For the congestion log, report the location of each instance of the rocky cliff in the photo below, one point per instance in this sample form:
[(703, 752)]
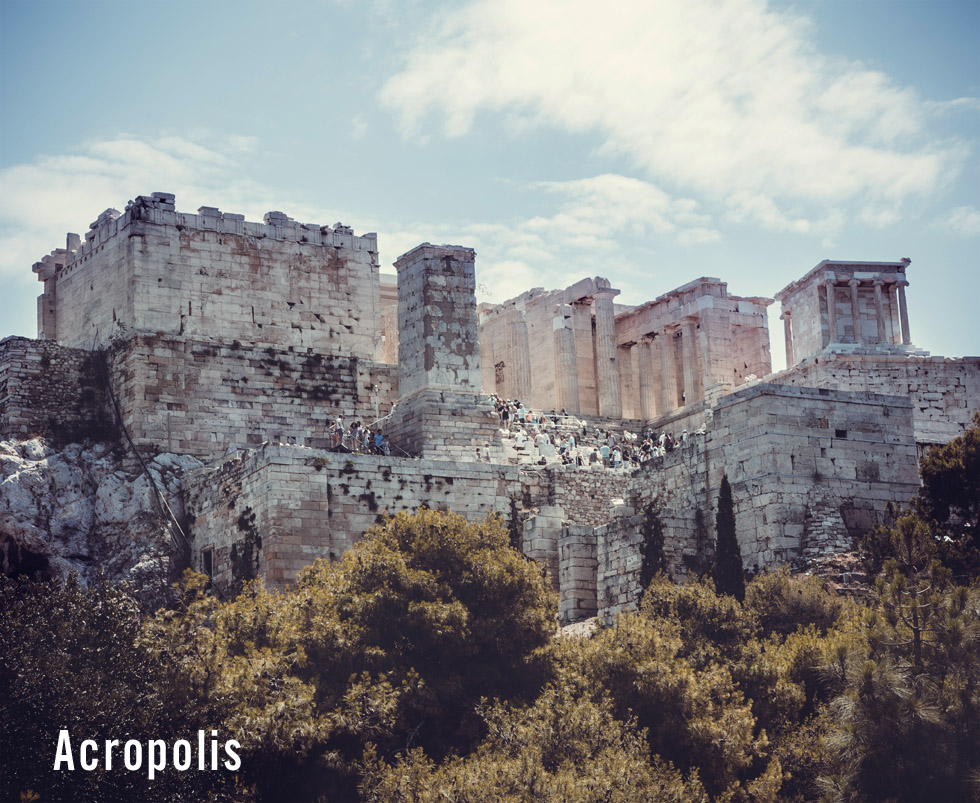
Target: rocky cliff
[(81, 509)]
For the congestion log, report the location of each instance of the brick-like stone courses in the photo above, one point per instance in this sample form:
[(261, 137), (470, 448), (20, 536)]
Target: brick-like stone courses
[(443, 425), (438, 345), (945, 392), (577, 560), (780, 444), (809, 469), (201, 398), (215, 275), (586, 494), (53, 391), (302, 503)]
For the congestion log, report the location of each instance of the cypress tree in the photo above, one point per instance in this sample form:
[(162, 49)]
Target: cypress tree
[(728, 575)]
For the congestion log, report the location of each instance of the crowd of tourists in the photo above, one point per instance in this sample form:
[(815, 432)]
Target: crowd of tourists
[(358, 438), (560, 437)]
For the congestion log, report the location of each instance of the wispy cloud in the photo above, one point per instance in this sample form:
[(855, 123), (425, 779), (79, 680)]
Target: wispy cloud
[(41, 200), (963, 220), (582, 237), (728, 101)]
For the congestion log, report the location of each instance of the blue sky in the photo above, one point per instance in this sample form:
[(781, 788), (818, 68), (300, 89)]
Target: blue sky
[(648, 142)]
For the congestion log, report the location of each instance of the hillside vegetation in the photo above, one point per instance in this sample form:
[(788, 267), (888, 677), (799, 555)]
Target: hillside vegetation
[(424, 666)]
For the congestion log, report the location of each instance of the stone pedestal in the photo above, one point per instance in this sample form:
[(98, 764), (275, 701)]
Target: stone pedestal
[(440, 413)]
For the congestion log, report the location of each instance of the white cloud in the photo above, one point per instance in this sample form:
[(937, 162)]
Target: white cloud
[(41, 200), (727, 100), (584, 237), (963, 220)]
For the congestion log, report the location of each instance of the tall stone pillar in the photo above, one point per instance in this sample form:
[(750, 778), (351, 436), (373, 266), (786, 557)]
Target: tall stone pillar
[(627, 380), (648, 396), (894, 328), (668, 382), (607, 373), (566, 373), (588, 401), (856, 311), (438, 346), (880, 312), (689, 361), (520, 359), (903, 311), (788, 335), (831, 311), (440, 412), (714, 347)]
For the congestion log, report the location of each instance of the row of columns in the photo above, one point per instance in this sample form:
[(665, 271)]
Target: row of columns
[(890, 304), (655, 357), (578, 346)]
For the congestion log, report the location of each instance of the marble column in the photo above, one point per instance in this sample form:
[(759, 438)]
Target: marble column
[(566, 374), (903, 312), (894, 329), (520, 359), (668, 382), (856, 311), (831, 311), (627, 380), (648, 393), (788, 335), (880, 312), (689, 361), (607, 373)]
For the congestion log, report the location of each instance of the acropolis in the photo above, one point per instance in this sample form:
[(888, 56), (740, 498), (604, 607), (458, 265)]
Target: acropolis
[(239, 343)]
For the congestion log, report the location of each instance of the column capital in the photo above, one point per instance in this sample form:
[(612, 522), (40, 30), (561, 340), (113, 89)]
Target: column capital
[(854, 282), (901, 283), (785, 315), (605, 291), (829, 279), (878, 282)]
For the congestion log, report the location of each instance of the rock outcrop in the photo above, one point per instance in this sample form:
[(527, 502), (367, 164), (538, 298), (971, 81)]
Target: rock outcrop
[(80, 509)]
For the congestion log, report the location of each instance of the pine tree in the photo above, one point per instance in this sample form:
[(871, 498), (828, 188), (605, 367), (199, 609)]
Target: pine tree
[(728, 575)]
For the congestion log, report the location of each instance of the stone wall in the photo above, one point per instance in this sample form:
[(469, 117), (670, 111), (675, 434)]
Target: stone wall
[(809, 468), (214, 275), (52, 391), (275, 509), (945, 392), (584, 494), (204, 397)]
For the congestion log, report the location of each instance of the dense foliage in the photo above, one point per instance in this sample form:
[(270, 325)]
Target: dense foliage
[(729, 574), (424, 666)]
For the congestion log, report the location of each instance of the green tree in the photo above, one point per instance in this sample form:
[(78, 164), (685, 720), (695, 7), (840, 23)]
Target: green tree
[(564, 748), (951, 483), (906, 721), (784, 603), (729, 575), (70, 658), (389, 649)]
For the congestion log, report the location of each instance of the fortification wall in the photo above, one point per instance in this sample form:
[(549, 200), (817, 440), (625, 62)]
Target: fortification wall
[(53, 391), (809, 468), (202, 398), (275, 509), (584, 494), (945, 391), (215, 275)]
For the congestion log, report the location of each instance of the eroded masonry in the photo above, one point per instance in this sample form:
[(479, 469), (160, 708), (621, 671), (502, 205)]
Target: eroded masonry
[(240, 343)]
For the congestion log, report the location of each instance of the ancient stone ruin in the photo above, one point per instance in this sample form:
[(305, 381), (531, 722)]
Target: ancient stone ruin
[(238, 344)]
